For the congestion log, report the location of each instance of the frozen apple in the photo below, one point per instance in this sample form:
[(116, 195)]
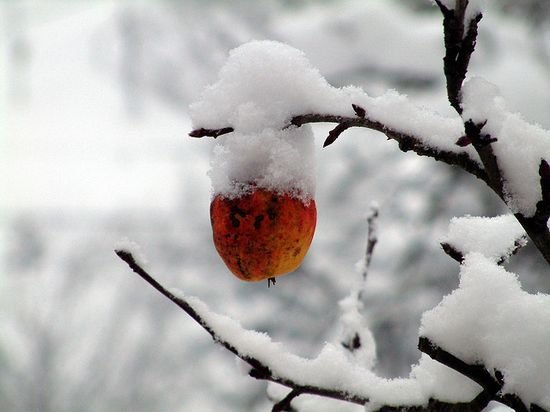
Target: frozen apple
[(262, 234)]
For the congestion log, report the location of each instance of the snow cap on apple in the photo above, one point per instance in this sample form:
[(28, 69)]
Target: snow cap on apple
[(261, 86), (263, 174)]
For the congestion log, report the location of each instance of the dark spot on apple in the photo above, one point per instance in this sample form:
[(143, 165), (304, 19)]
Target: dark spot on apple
[(258, 221), (234, 213), (272, 208)]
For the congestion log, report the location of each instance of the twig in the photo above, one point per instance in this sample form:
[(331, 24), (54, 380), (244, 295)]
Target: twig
[(372, 237), (356, 335), (477, 373), (460, 43), (210, 132), (284, 404), (336, 132), (460, 40), (492, 385), (477, 404), (259, 369), (458, 255), (452, 252), (405, 140)]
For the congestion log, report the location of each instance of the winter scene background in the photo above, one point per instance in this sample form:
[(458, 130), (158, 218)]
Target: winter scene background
[(94, 151)]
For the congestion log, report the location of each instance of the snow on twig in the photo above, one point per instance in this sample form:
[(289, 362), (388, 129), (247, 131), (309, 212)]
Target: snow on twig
[(330, 374), (497, 238), (246, 344), (405, 140), (356, 336)]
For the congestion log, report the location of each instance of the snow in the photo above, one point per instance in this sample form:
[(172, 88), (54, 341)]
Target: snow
[(489, 319), (279, 160), (262, 86), (520, 146), (353, 324), (265, 83), (333, 369), (496, 238), (72, 148)]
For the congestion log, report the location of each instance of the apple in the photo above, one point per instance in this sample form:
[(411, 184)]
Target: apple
[(262, 234)]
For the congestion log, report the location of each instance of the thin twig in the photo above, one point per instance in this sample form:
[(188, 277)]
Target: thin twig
[(372, 237), (460, 41), (284, 404)]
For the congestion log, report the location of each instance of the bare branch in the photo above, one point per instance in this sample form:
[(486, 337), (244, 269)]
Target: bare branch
[(210, 132), (335, 133), (372, 237), (543, 207), (460, 40), (452, 252), (285, 403)]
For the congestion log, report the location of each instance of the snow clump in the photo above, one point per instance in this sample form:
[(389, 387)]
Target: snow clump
[(490, 320), (519, 148), (496, 238), (262, 86)]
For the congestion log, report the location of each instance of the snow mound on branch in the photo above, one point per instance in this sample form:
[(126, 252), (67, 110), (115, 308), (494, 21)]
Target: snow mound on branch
[(490, 320), (262, 86), (496, 238), (520, 146), (332, 369), (279, 160), (259, 86)]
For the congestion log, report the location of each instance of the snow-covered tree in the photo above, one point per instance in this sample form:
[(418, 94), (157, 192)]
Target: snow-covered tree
[(486, 341)]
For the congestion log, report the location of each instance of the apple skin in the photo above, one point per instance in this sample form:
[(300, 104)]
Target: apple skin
[(262, 234)]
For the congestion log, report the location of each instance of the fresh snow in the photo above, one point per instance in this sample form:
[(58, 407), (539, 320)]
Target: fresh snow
[(280, 160), (519, 148), (262, 86), (333, 369), (489, 319), (496, 238)]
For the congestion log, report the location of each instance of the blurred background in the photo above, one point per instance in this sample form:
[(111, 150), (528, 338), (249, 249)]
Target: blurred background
[(94, 149)]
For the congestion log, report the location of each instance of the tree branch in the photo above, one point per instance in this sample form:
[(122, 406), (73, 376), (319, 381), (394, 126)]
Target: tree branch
[(460, 40), (259, 369), (285, 403), (405, 140), (492, 386), (478, 373), (210, 132), (460, 43)]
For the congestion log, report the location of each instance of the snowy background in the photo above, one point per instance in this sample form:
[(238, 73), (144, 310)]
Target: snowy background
[(94, 98)]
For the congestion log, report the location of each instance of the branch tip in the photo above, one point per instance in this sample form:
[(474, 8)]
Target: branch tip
[(359, 111), (202, 132)]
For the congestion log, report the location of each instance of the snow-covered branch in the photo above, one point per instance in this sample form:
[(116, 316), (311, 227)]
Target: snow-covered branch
[(489, 128), (333, 375), (266, 359), (406, 140), (492, 386)]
